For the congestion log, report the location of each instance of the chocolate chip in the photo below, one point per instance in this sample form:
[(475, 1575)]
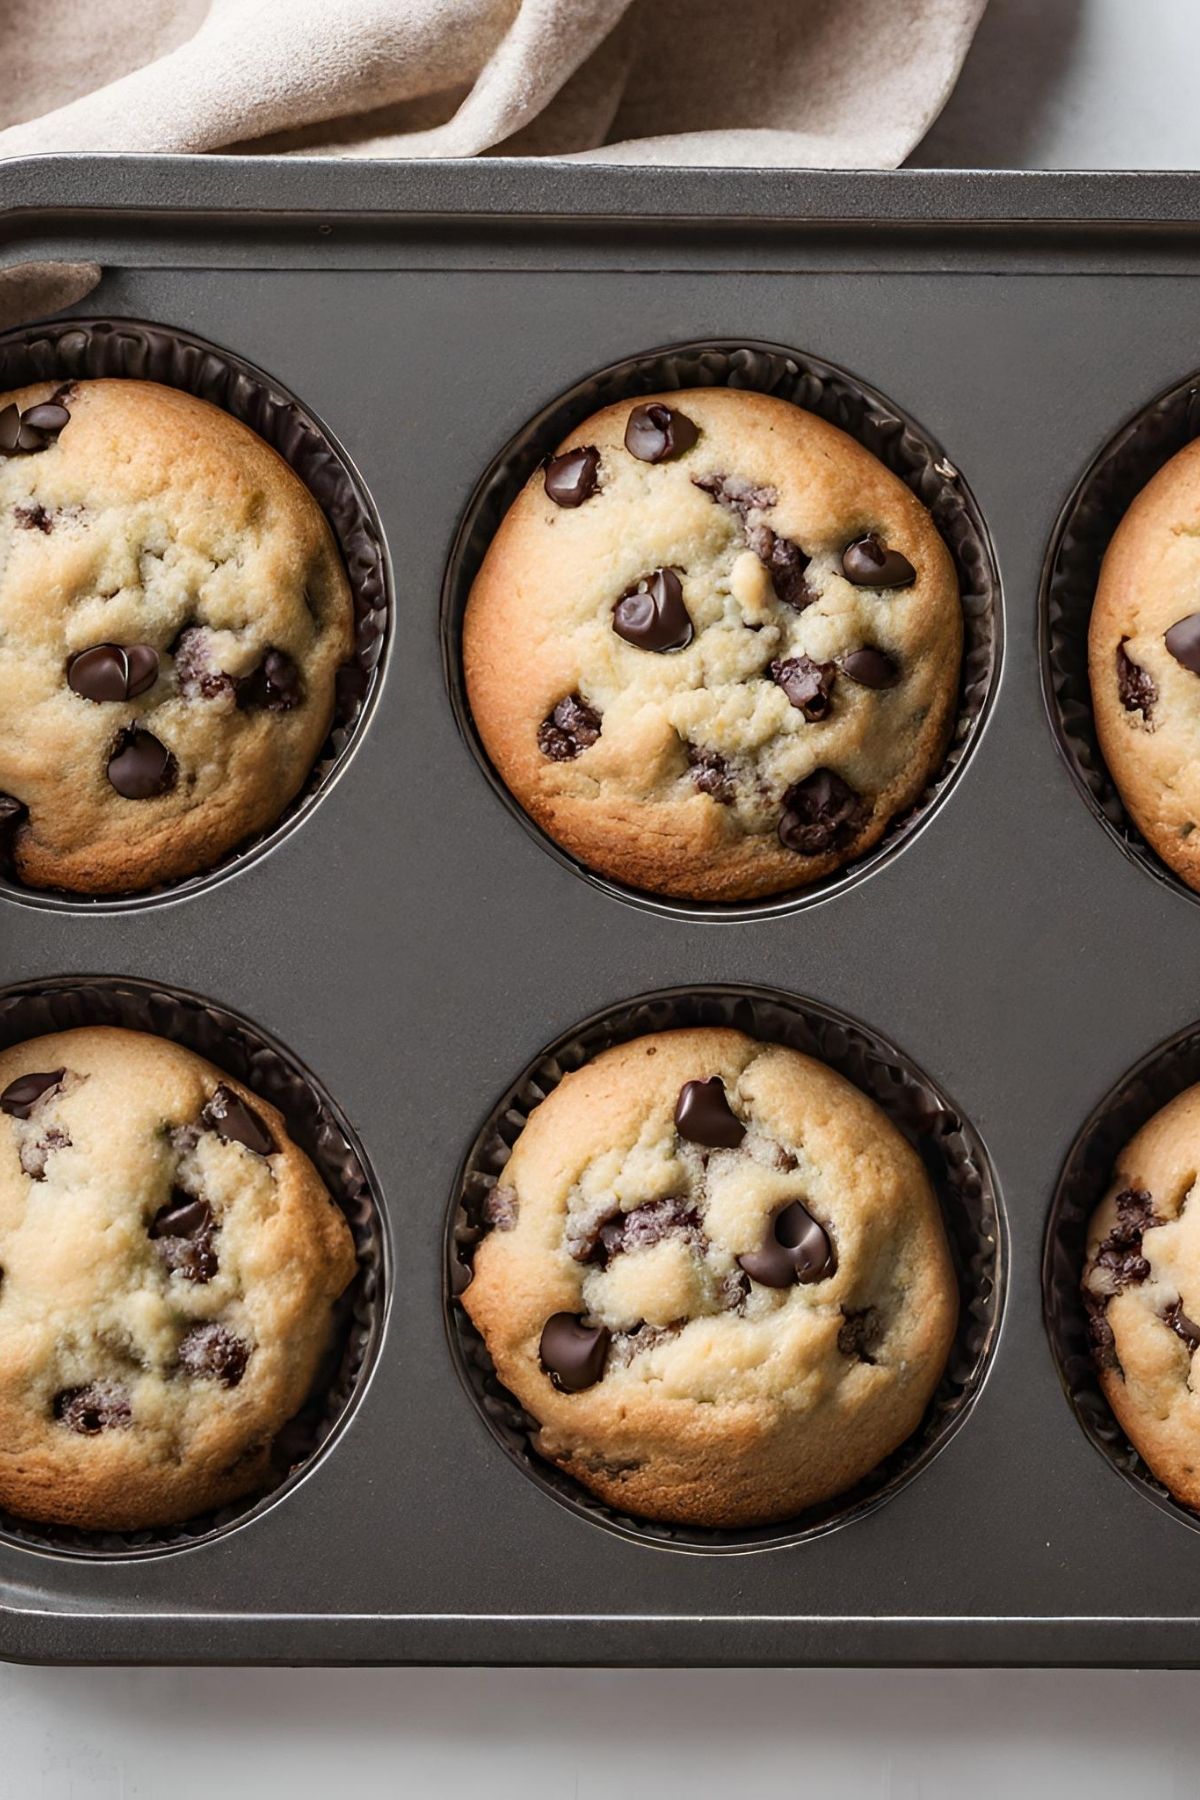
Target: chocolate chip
[(184, 1216), (212, 1350), (741, 497), (196, 674), (807, 684), (572, 726), (869, 667), (236, 1123), (1183, 1327), (628, 1344), (34, 1156), (34, 518), (571, 478), (102, 1406), (703, 1115), (868, 562), (140, 768), (648, 1225), (10, 429), (500, 1208), (573, 1354), (31, 430), (859, 1333), (652, 615), (1100, 1332), (711, 773), (113, 671), (275, 684), (818, 813), (655, 433), (795, 1248), (786, 563), (47, 416), (22, 1095), (1183, 641), (1120, 1253), (1135, 685), (183, 1233)]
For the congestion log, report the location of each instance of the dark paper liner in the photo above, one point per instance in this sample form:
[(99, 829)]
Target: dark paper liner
[(901, 445), (87, 349), (1149, 1085), (1096, 507), (317, 1124), (948, 1144)]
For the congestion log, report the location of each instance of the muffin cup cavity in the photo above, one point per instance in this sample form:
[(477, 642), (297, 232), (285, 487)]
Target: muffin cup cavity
[(91, 349), (315, 1123), (1100, 500), (839, 398), (951, 1149), (1085, 1176)]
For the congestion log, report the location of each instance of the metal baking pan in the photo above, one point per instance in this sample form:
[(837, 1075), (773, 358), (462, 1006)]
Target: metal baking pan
[(417, 950)]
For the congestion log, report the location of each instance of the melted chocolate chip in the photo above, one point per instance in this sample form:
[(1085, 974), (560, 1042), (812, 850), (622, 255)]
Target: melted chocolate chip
[(237, 1123), (807, 684), (741, 497), (656, 433), (785, 563), (795, 1248), (711, 774), (183, 1232), (22, 1095), (869, 667), (1100, 1332), (184, 1216), (648, 1225), (141, 768), (1183, 641), (1120, 1253), (859, 1333), (500, 1208), (652, 615), (869, 563), (101, 1406), (703, 1115), (572, 726), (819, 813), (214, 1351), (113, 671), (572, 478), (1184, 1327), (1135, 685), (573, 1354), (275, 684)]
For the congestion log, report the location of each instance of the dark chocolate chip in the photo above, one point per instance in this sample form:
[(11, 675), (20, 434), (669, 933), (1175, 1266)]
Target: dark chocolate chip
[(571, 478), (1184, 1327), (869, 667), (572, 726), (786, 564), (807, 684), (652, 615), (184, 1216), (1183, 641), (711, 773), (703, 1115), (10, 429), (275, 684), (1135, 685), (113, 671), (648, 1225), (795, 1248), (22, 1095), (628, 1344), (573, 1354), (196, 674), (101, 1406), (740, 496), (819, 813), (34, 518), (655, 433), (140, 768), (236, 1123), (212, 1350), (1100, 1332), (47, 416), (868, 562), (859, 1333), (1120, 1253)]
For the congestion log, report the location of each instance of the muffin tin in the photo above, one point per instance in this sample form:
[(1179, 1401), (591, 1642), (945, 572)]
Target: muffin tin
[(417, 950)]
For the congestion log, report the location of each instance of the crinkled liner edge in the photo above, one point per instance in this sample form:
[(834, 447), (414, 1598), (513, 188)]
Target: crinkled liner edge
[(1100, 500), (841, 399), (91, 349), (233, 1044), (952, 1150), (1086, 1173)]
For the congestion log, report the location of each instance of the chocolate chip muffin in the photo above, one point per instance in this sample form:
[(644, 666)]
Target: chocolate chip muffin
[(715, 646), (717, 1277), (1144, 662), (173, 612), (170, 1263), (1141, 1287)]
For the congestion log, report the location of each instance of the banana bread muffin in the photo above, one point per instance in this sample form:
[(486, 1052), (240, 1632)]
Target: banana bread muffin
[(717, 1277), (173, 612), (170, 1263), (715, 646)]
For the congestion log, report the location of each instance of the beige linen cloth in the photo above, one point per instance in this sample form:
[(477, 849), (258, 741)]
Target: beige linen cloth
[(800, 83)]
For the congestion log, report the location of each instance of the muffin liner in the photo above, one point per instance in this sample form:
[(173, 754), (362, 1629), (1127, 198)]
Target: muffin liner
[(951, 1149), (1085, 1177), (87, 349), (841, 399), (1096, 507), (314, 1122)]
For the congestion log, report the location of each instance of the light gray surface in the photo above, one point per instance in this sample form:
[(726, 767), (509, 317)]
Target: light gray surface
[(1051, 83)]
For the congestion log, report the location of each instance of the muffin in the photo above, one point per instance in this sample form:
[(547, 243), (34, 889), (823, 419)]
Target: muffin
[(715, 646), (1141, 1287), (717, 1278), (173, 612), (170, 1265), (1144, 662)]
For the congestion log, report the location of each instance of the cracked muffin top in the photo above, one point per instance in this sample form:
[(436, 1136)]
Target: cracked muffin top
[(717, 1277), (170, 1260), (173, 612), (1141, 1288), (715, 646)]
